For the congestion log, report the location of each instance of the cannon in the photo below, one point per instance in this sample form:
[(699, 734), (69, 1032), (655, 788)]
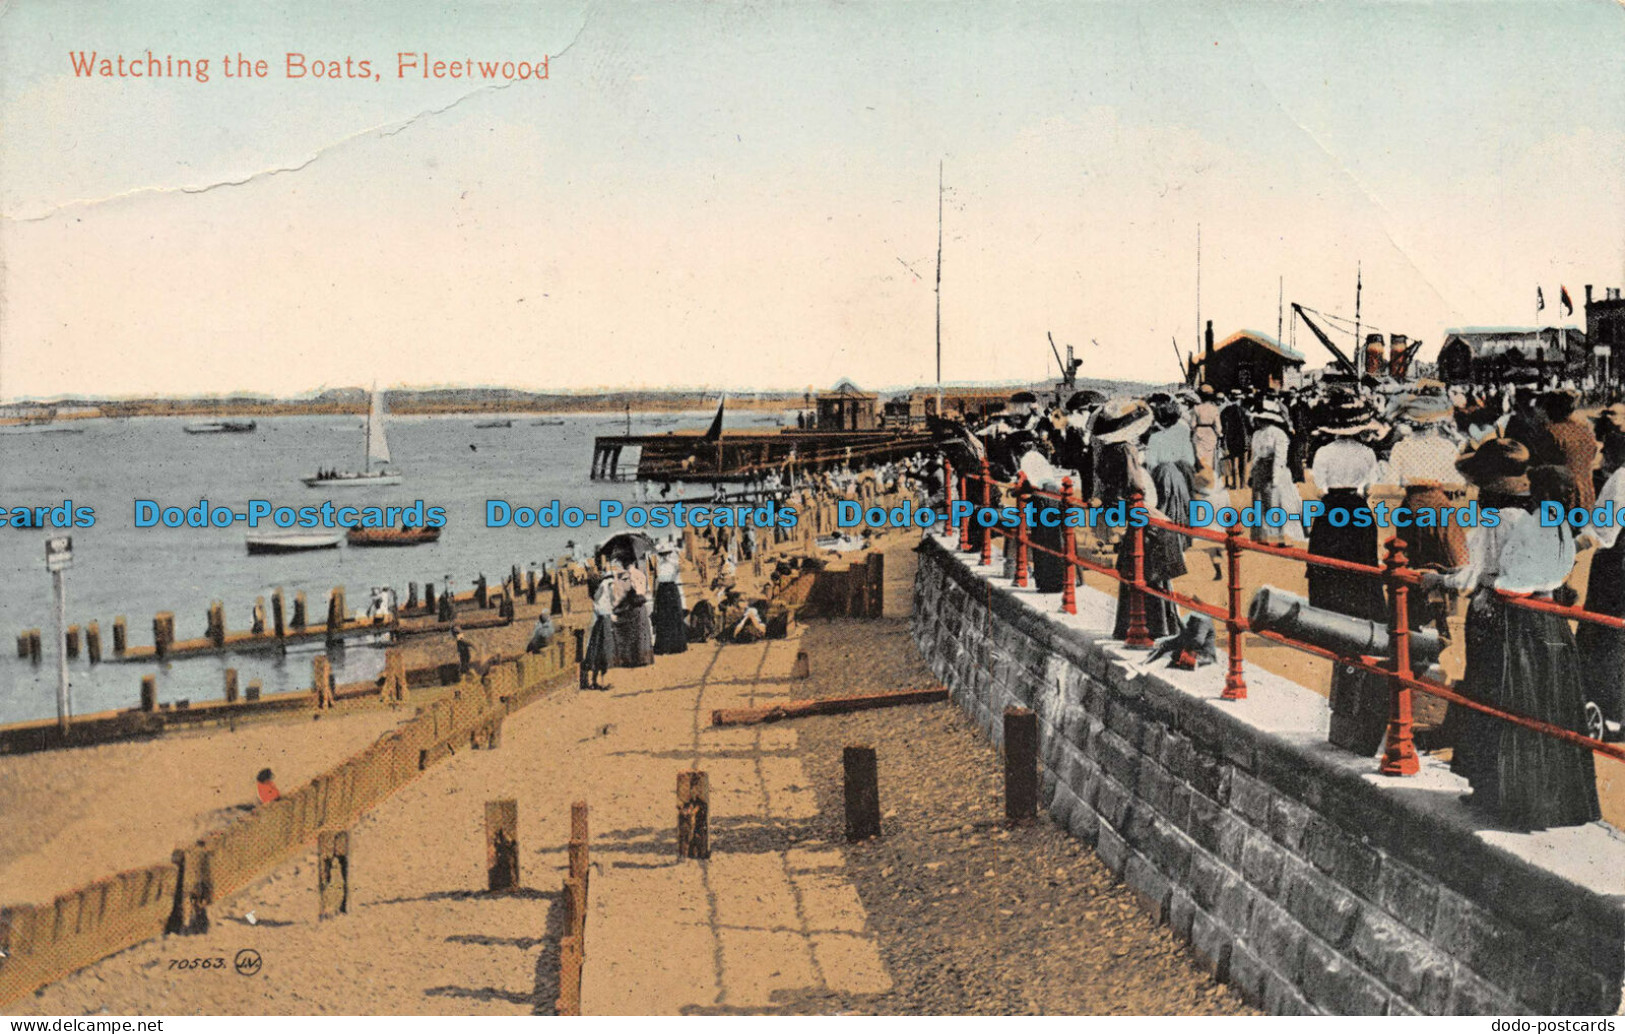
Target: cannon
[(1281, 612)]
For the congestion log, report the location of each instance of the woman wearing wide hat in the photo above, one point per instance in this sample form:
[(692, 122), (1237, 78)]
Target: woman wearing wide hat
[(1520, 660), (1120, 430), (1271, 474), (1423, 463), (1602, 649), (1344, 468)]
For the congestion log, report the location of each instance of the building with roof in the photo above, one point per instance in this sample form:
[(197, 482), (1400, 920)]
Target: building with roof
[(846, 407), (1605, 335), (1493, 356), (1248, 360)]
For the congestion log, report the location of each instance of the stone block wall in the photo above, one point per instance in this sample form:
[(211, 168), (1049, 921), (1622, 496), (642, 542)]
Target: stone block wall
[(1295, 872)]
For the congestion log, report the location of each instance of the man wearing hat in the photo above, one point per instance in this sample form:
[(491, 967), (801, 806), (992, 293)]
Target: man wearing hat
[(1234, 430)]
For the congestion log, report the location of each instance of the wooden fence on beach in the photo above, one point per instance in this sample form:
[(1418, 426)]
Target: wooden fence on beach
[(44, 942)]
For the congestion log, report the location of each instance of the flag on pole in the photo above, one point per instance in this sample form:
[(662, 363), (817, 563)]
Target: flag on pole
[(1568, 306), (1540, 300)]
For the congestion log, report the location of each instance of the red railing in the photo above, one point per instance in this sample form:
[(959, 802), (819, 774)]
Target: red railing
[(1399, 755)]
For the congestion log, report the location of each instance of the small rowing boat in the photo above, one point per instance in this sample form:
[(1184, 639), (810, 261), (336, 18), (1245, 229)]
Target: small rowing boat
[(494, 424), (391, 536), (292, 542)]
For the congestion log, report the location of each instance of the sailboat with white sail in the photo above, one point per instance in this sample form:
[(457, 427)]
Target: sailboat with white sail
[(375, 470)]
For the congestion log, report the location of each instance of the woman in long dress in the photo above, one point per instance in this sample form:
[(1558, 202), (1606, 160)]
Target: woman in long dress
[(1601, 648), (1271, 474), (600, 654), (1344, 468), (1520, 660), (670, 622), (634, 632)]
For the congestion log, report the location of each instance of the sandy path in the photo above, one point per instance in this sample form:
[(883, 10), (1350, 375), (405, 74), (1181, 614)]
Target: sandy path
[(73, 816)]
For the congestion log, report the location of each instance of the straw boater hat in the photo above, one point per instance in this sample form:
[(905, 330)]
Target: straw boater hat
[(1122, 420), (1497, 465), (1206, 390)]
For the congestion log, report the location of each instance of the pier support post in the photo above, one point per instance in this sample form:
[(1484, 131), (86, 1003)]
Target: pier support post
[(502, 845), (231, 685), (411, 596), (333, 874), (163, 634), (862, 792), (121, 636), (556, 607), (72, 642), (1020, 764), (149, 693), (693, 814), (336, 614), (530, 587), (93, 642), (217, 624)]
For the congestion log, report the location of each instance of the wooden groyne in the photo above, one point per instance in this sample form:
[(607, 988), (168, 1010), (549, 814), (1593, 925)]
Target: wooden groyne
[(43, 942)]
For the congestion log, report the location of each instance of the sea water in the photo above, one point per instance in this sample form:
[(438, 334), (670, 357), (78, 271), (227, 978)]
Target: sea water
[(119, 569)]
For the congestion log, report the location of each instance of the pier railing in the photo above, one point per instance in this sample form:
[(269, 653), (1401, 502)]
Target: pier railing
[(1399, 754)]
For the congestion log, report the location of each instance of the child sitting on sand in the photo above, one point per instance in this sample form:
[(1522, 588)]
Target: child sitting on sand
[(267, 789)]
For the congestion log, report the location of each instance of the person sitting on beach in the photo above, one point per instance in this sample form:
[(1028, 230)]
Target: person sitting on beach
[(267, 789), (542, 634), (750, 628)]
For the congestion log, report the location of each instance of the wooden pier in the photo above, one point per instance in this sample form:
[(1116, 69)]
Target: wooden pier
[(742, 455)]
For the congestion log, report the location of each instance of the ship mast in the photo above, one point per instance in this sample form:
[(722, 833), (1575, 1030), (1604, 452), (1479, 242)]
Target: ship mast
[(939, 288)]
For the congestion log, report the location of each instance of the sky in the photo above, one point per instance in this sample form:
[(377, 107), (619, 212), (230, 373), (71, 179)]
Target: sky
[(745, 196)]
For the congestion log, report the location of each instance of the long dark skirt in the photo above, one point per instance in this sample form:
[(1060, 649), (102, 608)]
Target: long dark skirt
[(600, 656), (1524, 662), (1047, 567), (1164, 561), (671, 625), (1359, 699), (634, 637), (1602, 650)]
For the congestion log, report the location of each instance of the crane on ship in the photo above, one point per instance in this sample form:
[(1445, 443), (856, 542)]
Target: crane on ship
[(1343, 361)]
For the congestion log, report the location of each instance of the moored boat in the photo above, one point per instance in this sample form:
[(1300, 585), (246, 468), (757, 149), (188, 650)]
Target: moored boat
[(391, 536), (291, 542), (494, 424), (221, 427)]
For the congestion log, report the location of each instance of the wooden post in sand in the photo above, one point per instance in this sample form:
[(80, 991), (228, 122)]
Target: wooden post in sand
[(862, 793), (22, 646), (149, 693), (333, 874), (252, 693), (231, 685), (428, 598), (121, 636), (71, 641), (298, 622), (1020, 764), (321, 681), (278, 626), (93, 642), (336, 614), (803, 667), (693, 814), (502, 845)]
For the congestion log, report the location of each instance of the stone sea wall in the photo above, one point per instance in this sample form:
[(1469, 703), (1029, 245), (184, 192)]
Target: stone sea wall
[(1296, 873)]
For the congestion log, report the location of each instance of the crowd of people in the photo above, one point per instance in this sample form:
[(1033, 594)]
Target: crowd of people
[(1338, 443)]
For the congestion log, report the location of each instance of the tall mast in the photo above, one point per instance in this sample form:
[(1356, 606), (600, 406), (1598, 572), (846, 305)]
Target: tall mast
[(1199, 286), (366, 439), (939, 287), (1280, 307), (1359, 342)]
